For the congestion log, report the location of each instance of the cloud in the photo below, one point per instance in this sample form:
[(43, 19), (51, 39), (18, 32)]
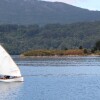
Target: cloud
[(87, 4)]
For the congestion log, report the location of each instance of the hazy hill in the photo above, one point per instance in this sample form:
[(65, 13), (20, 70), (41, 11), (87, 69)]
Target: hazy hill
[(18, 38), (42, 12)]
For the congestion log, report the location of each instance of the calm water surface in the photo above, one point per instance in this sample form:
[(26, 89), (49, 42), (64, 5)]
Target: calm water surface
[(63, 78)]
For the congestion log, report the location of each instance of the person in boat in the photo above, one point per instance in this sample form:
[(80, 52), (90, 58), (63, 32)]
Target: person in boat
[(6, 77)]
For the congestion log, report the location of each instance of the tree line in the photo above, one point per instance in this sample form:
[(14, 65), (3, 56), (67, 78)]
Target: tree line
[(20, 38)]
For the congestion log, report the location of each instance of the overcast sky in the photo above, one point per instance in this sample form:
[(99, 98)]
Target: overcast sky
[(88, 4)]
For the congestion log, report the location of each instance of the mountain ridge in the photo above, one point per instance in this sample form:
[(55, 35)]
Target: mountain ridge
[(42, 12)]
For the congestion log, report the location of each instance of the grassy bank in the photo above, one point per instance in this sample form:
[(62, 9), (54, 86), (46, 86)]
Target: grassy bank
[(79, 52)]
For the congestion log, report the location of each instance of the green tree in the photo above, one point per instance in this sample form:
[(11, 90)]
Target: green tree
[(85, 51), (97, 46), (80, 47)]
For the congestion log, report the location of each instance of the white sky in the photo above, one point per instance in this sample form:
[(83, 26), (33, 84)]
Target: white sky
[(88, 4)]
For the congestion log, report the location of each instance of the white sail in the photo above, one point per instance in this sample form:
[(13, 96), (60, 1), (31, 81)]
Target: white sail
[(7, 65)]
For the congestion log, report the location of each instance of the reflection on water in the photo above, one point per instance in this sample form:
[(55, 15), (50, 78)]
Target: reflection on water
[(9, 91), (60, 66), (57, 78), (59, 61)]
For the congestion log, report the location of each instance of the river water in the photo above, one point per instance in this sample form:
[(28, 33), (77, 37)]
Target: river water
[(55, 78)]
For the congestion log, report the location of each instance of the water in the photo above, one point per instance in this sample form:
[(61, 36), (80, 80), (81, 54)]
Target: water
[(62, 78)]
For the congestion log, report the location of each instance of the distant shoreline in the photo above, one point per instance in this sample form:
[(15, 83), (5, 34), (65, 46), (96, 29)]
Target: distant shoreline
[(57, 53)]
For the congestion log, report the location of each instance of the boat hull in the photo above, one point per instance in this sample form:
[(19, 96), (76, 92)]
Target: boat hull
[(18, 79)]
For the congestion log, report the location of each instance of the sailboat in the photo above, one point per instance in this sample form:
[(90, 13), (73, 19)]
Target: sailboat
[(9, 68)]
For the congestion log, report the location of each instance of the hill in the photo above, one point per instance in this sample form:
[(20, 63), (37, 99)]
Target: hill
[(42, 12), (19, 38)]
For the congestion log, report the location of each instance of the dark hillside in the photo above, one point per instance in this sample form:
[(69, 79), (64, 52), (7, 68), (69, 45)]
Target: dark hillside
[(19, 38), (42, 12)]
